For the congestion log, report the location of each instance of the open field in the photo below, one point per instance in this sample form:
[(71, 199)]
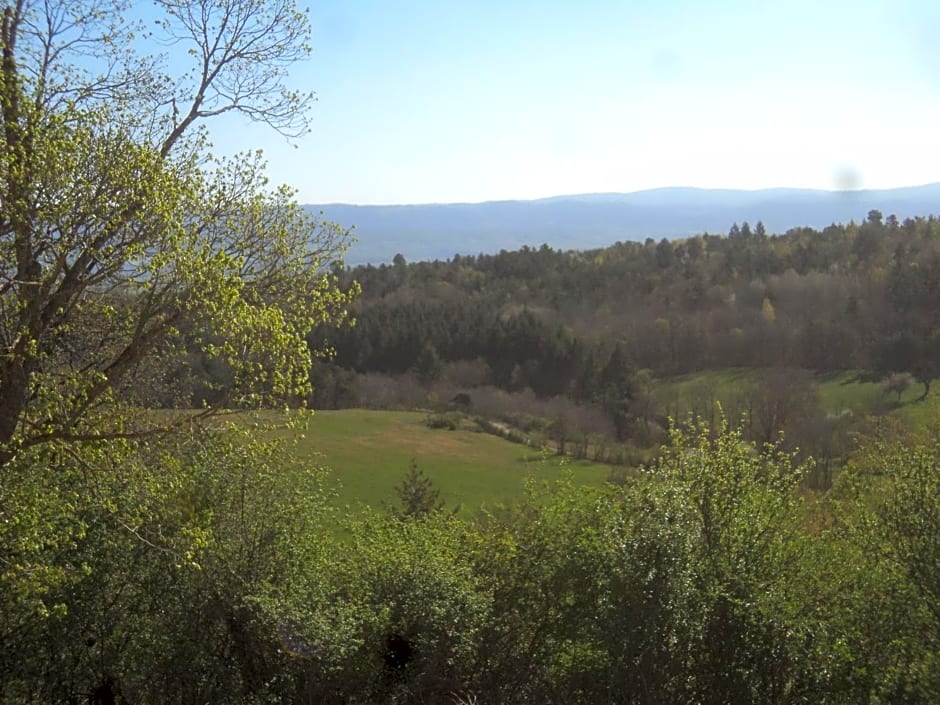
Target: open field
[(370, 451), (838, 392)]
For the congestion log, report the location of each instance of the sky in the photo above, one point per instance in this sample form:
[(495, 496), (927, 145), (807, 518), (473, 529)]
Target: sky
[(442, 101)]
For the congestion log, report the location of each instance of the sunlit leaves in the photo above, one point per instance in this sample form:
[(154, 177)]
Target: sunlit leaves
[(125, 246)]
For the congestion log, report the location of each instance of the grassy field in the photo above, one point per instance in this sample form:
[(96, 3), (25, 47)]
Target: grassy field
[(838, 392), (678, 396), (370, 451)]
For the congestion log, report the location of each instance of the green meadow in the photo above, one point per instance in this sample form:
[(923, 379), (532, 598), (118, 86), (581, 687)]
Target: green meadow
[(838, 392), (370, 451)]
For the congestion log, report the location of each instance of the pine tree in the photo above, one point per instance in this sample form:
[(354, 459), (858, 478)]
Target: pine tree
[(417, 494)]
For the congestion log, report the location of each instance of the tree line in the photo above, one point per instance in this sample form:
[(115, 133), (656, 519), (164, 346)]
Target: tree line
[(588, 325), (849, 296)]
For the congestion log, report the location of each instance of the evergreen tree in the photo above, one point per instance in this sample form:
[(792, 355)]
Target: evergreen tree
[(428, 365), (417, 494)]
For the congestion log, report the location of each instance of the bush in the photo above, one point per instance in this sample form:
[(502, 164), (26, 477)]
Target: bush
[(398, 611), (168, 589), (448, 420)]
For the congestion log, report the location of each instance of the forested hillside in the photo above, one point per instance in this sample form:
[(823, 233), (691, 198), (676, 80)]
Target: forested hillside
[(599, 327), (849, 296)]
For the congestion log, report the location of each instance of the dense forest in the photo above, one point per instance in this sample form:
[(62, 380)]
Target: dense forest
[(856, 296), (850, 296)]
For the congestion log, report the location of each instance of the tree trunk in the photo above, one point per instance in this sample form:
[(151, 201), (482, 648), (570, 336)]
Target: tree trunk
[(14, 382)]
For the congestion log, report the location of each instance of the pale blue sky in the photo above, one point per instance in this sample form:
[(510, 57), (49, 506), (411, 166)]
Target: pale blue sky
[(444, 101)]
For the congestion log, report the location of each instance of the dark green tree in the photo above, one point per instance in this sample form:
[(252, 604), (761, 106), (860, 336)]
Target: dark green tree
[(664, 254), (910, 341), (417, 494), (428, 365)]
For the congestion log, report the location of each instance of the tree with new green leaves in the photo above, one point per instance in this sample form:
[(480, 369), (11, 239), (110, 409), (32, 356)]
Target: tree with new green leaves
[(738, 504), (910, 517), (888, 505), (169, 586), (414, 617), (124, 243)]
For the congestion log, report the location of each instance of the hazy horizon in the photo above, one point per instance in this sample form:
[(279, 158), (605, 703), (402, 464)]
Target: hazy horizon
[(633, 192)]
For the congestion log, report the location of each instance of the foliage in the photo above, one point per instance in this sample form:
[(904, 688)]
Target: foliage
[(911, 519), (168, 586), (205, 565), (402, 613), (125, 246), (450, 420), (137, 564), (888, 500), (855, 296), (706, 578)]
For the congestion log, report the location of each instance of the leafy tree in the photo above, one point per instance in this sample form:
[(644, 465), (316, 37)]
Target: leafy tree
[(912, 330), (767, 310), (168, 586), (737, 505), (122, 240), (664, 254), (401, 621), (887, 504), (911, 519)]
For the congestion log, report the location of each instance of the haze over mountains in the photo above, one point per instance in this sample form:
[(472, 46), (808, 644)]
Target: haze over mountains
[(438, 231)]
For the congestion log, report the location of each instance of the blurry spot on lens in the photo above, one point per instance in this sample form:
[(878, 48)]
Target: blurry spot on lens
[(847, 178)]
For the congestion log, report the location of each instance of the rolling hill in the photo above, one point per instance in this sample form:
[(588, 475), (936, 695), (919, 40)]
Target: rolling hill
[(438, 231)]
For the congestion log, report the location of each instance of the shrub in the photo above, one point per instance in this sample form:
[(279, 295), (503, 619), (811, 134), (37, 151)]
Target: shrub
[(448, 420)]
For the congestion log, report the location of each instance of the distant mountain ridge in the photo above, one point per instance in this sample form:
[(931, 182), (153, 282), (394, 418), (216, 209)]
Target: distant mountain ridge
[(585, 221)]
